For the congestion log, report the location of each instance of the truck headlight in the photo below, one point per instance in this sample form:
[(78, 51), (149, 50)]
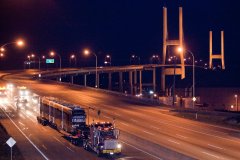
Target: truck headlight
[(119, 146)]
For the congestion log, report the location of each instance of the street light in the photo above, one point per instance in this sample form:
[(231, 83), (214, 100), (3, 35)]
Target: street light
[(236, 97), (39, 62), (19, 43), (60, 62), (74, 58), (180, 50), (108, 59), (87, 52), (134, 58), (1, 55)]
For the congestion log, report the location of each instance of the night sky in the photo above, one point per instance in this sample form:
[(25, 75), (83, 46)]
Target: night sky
[(119, 28)]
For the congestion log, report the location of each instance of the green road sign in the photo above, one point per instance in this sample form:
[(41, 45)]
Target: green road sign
[(49, 60)]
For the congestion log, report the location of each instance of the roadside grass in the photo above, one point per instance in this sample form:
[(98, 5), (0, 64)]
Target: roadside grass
[(5, 151)]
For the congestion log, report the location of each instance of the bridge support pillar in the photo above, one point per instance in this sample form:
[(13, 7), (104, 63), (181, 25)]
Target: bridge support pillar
[(130, 82), (120, 82), (109, 81), (85, 80), (154, 79), (135, 82), (140, 82)]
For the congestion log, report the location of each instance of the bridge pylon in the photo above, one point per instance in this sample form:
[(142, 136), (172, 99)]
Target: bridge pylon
[(216, 56), (166, 44)]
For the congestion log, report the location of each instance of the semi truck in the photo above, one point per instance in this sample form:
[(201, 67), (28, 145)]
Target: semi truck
[(103, 139), (67, 118)]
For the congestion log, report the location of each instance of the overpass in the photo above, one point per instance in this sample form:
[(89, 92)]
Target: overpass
[(134, 74)]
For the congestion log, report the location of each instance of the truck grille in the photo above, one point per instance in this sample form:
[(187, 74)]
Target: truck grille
[(110, 144)]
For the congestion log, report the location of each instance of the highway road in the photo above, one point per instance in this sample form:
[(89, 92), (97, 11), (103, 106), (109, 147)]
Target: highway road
[(147, 132)]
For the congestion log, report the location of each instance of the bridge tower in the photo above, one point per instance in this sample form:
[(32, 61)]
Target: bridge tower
[(216, 56), (166, 43)]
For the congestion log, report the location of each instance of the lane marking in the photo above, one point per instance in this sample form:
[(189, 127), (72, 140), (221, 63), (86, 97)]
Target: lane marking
[(70, 149), (142, 150), (44, 156), (107, 117), (21, 123), (117, 114), (214, 146), (208, 134), (148, 132), (173, 141), (44, 146), (181, 136), (155, 127), (124, 123), (211, 155), (133, 120), (58, 140)]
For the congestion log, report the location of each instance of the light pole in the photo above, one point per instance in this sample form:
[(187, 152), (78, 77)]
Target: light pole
[(236, 97), (19, 43), (87, 52), (174, 80), (73, 57), (60, 62), (39, 62), (180, 50)]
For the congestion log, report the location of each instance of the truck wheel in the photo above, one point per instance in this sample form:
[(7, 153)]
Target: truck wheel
[(99, 153)]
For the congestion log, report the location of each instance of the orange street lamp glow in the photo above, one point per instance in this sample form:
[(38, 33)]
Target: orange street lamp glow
[(20, 43), (52, 53), (72, 56), (1, 55), (180, 49), (32, 55), (86, 52), (2, 49)]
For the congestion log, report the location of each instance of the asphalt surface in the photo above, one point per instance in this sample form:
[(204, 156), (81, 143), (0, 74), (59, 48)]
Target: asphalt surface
[(147, 132)]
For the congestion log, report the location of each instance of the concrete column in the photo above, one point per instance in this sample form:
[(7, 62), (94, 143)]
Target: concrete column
[(140, 82), (109, 81), (85, 80), (72, 79), (135, 82), (130, 82), (120, 81), (154, 79)]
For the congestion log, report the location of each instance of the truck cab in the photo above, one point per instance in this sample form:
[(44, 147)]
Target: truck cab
[(103, 139)]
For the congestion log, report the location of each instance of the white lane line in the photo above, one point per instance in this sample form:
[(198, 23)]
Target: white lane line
[(173, 141), (214, 146), (133, 120), (117, 114), (142, 150), (155, 127), (21, 123), (44, 146), (58, 140), (124, 123), (70, 149), (211, 154), (107, 117), (148, 132), (181, 136), (196, 131), (22, 116), (44, 156)]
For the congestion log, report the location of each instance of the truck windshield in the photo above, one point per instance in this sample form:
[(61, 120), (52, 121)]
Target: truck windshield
[(106, 134)]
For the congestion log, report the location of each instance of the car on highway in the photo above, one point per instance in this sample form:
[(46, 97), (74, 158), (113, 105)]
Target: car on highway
[(22, 103)]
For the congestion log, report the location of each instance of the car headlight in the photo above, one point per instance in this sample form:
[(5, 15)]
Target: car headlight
[(119, 146)]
